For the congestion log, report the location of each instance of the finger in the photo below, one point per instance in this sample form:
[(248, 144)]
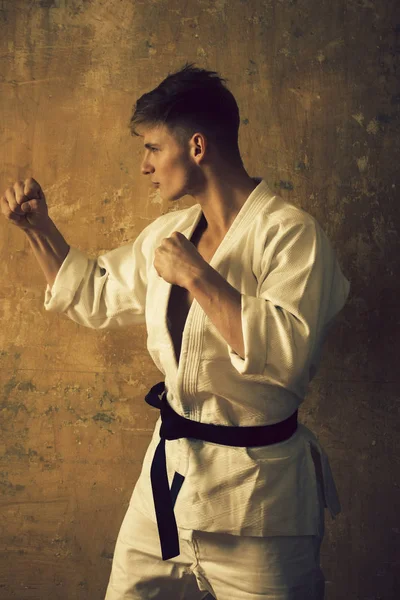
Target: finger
[(7, 212), (30, 206), (31, 188), (27, 206), (19, 192), (11, 201)]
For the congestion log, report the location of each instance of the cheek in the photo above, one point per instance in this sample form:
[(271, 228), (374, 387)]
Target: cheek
[(179, 171)]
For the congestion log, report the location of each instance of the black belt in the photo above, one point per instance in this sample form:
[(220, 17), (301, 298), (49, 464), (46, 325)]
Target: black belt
[(173, 427)]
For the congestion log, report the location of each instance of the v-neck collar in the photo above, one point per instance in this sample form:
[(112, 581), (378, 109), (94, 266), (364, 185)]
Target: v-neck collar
[(245, 216)]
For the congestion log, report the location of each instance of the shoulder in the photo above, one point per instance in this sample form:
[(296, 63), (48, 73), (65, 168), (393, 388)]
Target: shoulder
[(281, 226), (280, 222), (286, 213)]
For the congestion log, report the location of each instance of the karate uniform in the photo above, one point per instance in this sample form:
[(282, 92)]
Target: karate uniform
[(280, 260)]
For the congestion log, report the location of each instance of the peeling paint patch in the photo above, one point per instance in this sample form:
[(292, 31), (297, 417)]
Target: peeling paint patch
[(362, 163), (373, 126), (336, 43), (20, 451), (218, 8), (26, 386), (359, 117), (13, 407), (106, 418), (300, 166), (252, 69), (107, 396), (71, 388), (305, 97), (286, 185), (7, 488), (285, 51), (155, 197), (10, 385)]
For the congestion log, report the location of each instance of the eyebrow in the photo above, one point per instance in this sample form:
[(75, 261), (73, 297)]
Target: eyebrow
[(150, 145)]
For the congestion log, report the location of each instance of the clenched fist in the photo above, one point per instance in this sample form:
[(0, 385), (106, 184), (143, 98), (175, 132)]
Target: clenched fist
[(25, 206)]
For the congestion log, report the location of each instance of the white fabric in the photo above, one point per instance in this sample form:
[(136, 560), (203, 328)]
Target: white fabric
[(213, 565), (292, 287)]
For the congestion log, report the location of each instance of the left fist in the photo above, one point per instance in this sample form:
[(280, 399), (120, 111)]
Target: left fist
[(177, 260)]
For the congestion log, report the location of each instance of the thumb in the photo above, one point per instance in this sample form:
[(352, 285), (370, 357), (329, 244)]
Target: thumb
[(26, 207)]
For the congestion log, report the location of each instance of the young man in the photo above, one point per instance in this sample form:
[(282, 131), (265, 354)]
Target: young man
[(237, 293)]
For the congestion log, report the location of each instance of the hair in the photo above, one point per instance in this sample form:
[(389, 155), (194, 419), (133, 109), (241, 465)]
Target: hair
[(189, 101)]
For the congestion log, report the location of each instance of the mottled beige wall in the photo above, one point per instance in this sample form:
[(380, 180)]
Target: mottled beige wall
[(316, 84)]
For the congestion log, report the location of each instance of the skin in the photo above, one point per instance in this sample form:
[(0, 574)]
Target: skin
[(221, 187)]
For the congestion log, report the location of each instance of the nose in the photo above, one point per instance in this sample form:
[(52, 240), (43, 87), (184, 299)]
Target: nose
[(146, 167)]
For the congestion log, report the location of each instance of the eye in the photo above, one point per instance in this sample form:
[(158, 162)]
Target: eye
[(153, 149)]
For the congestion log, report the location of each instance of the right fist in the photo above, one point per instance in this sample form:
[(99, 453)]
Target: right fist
[(25, 206)]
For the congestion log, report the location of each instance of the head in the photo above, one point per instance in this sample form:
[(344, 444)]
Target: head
[(190, 124)]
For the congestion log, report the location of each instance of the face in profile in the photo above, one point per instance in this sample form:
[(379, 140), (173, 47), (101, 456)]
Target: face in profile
[(168, 164)]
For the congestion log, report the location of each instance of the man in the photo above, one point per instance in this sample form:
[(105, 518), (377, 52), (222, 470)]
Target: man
[(237, 293)]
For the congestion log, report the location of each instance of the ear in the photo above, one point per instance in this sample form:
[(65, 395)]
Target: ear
[(198, 146)]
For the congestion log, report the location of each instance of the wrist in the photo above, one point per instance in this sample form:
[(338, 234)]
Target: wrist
[(45, 231), (198, 277)]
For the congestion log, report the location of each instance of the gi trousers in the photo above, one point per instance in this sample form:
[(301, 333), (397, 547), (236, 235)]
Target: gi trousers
[(228, 567)]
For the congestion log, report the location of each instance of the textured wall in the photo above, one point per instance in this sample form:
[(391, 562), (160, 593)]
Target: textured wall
[(316, 84)]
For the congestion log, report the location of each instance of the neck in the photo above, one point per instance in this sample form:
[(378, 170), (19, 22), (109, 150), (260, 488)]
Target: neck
[(221, 197)]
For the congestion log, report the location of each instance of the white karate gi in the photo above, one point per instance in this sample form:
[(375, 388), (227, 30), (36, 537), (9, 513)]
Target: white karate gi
[(280, 260)]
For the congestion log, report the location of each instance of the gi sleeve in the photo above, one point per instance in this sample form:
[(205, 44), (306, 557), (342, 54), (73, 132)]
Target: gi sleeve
[(300, 290), (103, 293)]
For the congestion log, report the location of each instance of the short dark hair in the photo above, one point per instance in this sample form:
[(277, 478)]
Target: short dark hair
[(191, 100)]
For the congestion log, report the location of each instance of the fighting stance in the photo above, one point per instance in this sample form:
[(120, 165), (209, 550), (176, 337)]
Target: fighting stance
[(237, 293)]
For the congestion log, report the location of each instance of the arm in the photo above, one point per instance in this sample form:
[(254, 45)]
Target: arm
[(106, 292), (277, 334), (222, 304), (50, 250)]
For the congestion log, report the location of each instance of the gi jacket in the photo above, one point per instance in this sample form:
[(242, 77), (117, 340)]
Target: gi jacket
[(280, 260)]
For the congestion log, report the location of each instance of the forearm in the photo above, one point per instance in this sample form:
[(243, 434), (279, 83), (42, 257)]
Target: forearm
[(222, 304), (50, 250)]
